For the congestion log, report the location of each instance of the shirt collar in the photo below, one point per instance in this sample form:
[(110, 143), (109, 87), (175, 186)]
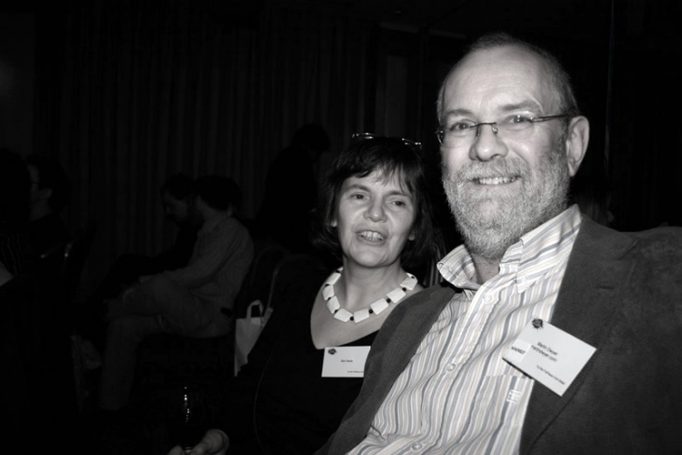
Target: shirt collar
[(528, 259)]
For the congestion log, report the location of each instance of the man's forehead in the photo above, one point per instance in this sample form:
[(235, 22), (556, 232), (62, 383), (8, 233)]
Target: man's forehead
[(505, 75), (501, 62)]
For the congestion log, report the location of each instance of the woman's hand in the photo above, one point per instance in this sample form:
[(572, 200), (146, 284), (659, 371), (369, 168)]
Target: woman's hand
[(214, 442)]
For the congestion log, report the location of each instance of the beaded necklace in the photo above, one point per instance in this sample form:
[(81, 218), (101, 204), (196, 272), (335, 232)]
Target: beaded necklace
[(343, 315)]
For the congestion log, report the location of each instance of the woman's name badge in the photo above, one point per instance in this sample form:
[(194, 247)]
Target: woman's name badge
[(344, 361), (549, 355)]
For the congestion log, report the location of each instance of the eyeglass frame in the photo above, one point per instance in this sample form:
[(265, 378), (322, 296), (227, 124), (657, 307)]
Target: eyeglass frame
[(415, 145), (440, 132)]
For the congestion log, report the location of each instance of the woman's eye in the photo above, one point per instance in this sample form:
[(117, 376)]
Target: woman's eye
[(400, 203)]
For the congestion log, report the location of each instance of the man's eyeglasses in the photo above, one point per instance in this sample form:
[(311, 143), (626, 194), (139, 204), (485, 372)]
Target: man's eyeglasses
[(517, 126), (414, 145)]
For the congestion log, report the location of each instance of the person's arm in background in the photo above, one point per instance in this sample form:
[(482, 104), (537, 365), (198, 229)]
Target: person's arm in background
[(209, 256), (179, 254)]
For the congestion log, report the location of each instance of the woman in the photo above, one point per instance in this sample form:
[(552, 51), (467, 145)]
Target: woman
[(293, 392)]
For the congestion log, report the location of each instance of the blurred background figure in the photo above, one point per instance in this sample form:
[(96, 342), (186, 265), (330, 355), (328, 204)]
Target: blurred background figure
[(38, 387), (190, 301), (291, 190), (593, 196), (177, 196), (50, 193), (15, 188)]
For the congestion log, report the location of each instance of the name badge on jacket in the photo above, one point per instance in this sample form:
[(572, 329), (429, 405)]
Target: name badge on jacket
[(549, 355), (344, 361)]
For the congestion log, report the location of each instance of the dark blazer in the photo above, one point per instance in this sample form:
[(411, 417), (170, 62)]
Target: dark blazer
[(622, 293)]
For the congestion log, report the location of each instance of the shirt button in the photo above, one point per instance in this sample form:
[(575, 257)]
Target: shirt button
[(450, 367), (416, 446)]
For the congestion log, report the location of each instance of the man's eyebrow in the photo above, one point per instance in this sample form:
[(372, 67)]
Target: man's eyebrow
[(457, 112), (522, 106)]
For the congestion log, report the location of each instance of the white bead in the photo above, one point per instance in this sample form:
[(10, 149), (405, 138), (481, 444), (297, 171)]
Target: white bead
[(343, 315), (327, 292), (410, 282), (334, 277), (396, 295), (379, 306), (333, 304), (360, 315)]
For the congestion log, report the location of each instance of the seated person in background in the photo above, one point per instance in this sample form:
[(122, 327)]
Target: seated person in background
[(177, 195), (376, 219), (50, 193), (186, 301), (291, 189)]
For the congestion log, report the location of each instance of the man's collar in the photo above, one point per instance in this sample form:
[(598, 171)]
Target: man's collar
[(458, 268)]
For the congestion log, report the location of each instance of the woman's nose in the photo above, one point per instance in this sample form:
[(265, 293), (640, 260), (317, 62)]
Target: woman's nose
[(375, 211)]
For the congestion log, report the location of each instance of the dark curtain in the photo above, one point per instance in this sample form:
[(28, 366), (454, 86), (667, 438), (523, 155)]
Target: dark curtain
[(645, 158), (142, 90), (130, 93)]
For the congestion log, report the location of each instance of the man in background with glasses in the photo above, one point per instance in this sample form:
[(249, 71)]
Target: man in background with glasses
[(551, 334)]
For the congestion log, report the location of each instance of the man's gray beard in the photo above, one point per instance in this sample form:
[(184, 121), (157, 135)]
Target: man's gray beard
[(489, 232)]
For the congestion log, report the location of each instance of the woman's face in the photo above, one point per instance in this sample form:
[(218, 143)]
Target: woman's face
[(374, 217)]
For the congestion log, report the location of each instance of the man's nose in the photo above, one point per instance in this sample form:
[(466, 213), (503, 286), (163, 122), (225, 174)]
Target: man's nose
[(487, 143)]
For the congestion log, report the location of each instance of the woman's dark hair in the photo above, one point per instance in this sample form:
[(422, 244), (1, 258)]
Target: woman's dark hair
[(390, 156)]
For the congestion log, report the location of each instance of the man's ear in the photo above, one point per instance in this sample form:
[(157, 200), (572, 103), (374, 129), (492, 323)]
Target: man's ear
[(576, 142)]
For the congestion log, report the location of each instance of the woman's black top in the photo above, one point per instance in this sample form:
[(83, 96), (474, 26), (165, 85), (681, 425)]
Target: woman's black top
[(280, 403)]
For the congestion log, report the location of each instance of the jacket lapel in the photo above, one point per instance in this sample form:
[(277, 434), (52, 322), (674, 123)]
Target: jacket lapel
[(388, 357), (394, 353), (587, 299)]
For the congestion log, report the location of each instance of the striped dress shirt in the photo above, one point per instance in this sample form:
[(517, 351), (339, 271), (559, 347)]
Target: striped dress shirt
[(457, 394)]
